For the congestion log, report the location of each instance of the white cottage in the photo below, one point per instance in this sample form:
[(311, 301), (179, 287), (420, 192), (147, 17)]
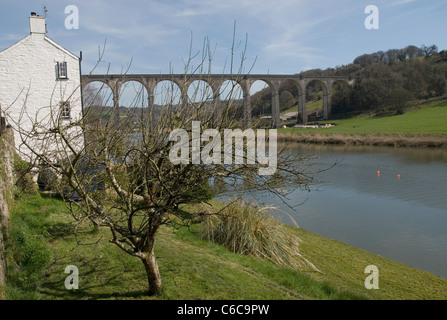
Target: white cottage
[(37, 78)]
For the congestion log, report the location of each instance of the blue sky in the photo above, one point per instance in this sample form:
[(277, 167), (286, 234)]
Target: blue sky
[(284, 36)]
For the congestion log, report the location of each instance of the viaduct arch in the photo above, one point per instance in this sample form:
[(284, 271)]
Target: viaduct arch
[(215, 81)]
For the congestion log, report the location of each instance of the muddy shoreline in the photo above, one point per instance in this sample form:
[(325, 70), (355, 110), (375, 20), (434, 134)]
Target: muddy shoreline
[(366, 140)]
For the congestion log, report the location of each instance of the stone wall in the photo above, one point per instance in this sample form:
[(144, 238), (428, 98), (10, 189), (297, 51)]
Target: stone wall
[(6, 187)]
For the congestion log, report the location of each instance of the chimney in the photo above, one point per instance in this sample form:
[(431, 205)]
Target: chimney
[(37, 24)]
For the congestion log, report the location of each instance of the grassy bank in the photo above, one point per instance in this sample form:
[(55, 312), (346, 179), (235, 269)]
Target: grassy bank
[(365, 139), (311, 106), (424, 127), (190, 267)]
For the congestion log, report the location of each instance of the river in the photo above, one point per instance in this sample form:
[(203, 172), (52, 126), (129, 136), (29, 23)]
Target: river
[(400, 214)]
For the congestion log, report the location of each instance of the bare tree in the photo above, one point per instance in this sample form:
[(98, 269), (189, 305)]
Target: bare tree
[(92, 96), (413, 51), (401, 55), (429, 50), (392, 55), (123, 176)]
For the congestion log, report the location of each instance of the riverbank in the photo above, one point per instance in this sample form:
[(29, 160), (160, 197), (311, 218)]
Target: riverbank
[(366, 140), (192, 268), (422, 126)]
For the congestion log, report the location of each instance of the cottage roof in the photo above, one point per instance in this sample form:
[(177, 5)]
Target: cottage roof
[(36, 30)]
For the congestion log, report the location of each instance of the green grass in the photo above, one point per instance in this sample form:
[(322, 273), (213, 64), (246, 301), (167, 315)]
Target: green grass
[(427, 121), (192, 268), (27, 251), (311, 106)]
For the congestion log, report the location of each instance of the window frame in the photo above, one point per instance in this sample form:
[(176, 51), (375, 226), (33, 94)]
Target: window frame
[(61, 70), (65, 110)]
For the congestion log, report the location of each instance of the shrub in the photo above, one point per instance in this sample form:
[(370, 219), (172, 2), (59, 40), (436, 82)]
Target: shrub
[(22, 172), (247, 229), (400, 98), (46, 179)]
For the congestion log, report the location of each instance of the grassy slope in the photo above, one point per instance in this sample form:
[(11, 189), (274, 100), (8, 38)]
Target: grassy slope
[(194, 269), (429, 120), (311, 106)]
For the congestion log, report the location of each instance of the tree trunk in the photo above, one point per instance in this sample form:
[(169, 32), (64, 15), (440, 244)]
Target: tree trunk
[(151, 267)]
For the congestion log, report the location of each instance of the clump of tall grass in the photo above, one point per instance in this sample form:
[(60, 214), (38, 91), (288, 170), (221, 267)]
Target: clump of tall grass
[(248, 229)]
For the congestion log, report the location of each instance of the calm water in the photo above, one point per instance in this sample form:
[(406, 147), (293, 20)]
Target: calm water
[(404, 219)]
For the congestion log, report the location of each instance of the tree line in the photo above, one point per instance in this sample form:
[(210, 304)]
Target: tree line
[(389, 80), (386, 80)]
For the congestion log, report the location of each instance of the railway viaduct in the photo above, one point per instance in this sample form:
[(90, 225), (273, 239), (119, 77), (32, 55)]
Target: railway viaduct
[(215, 81)]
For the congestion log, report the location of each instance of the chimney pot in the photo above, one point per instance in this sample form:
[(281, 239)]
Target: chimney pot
[(37, 24)]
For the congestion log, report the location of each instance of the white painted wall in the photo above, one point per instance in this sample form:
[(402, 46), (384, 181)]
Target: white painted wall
[(28, 79)]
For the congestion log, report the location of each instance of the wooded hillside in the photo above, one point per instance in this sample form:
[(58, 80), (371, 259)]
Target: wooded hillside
[(387, 80)]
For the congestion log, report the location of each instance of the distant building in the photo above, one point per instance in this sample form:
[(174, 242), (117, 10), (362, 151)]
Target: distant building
[(289, 116), (40, 75)]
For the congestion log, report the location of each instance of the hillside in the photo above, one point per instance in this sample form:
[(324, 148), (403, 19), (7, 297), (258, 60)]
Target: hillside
[(388, 80), (421, 126)]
